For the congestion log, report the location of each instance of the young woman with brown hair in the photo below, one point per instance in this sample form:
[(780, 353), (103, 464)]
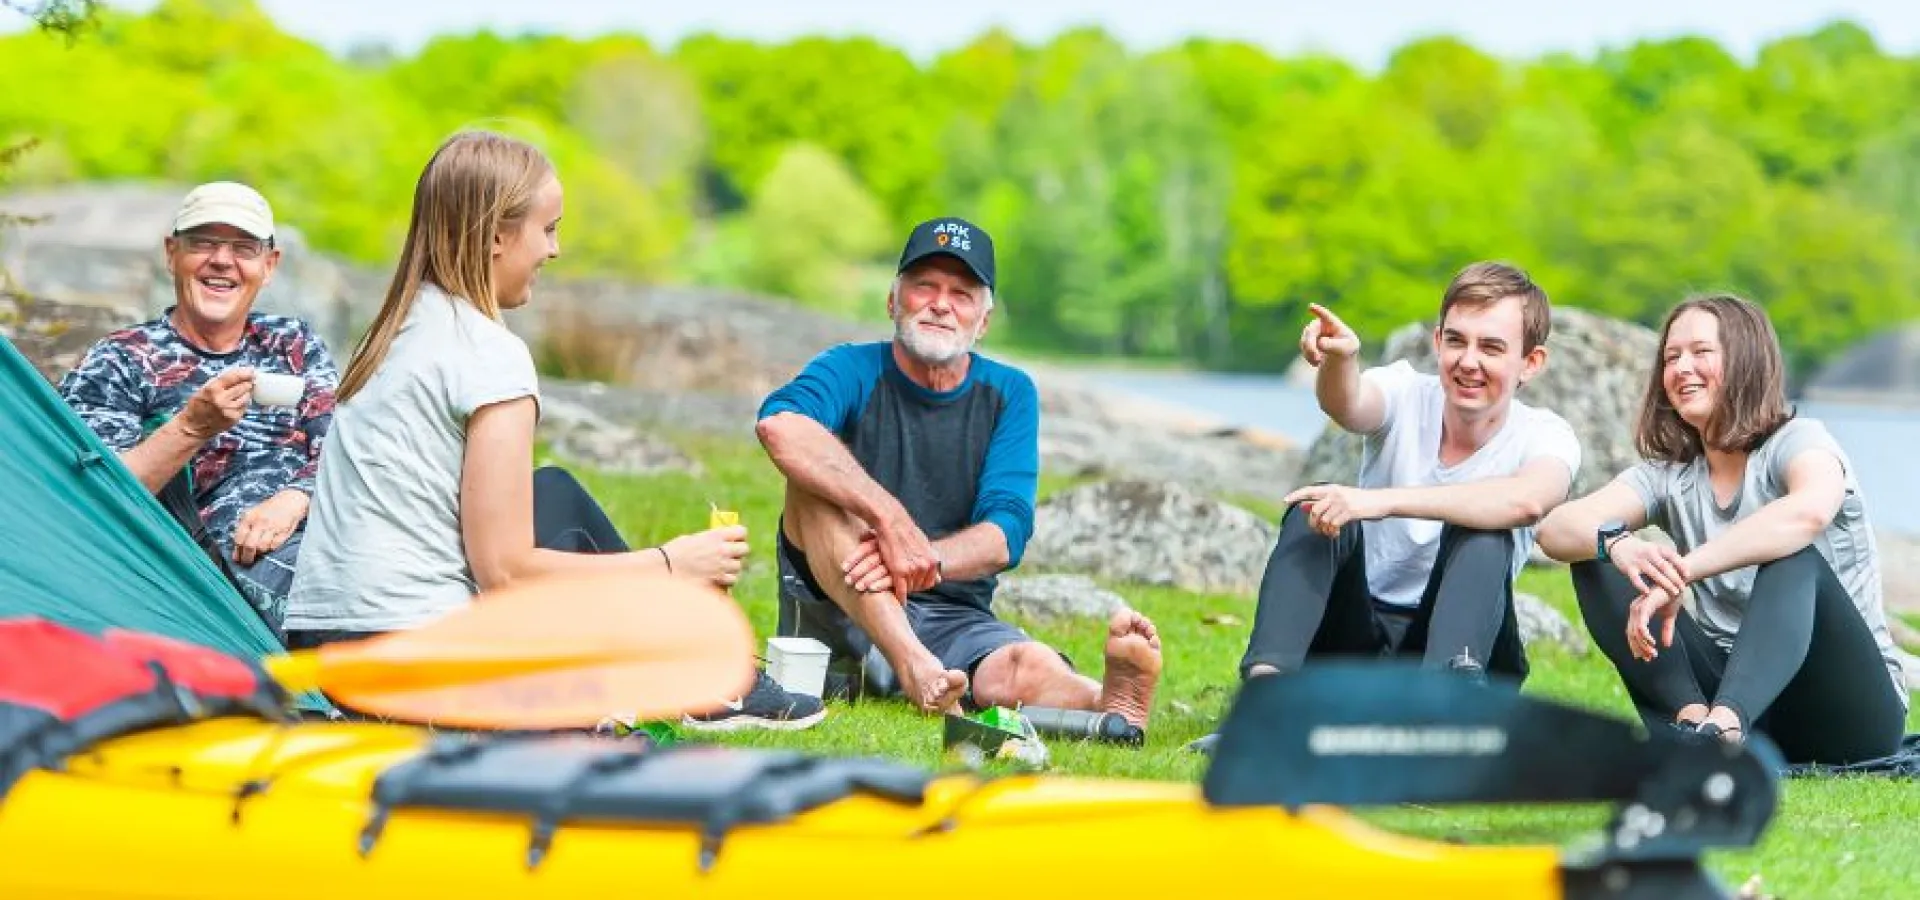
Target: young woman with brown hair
[(1787, 633)]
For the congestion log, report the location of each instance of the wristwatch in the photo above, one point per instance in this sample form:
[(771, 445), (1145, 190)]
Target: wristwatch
[(1608, 532)]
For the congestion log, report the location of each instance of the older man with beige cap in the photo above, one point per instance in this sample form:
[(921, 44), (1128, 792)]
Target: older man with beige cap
[(214, 402)]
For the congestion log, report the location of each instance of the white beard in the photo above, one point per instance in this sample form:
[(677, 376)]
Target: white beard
[(931, 350)]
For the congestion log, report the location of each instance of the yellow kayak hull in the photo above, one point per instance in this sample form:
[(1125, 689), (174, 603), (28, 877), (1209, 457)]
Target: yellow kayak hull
[(169, 814)]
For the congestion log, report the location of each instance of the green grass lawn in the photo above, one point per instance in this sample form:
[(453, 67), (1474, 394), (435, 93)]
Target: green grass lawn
[(1830, 838)]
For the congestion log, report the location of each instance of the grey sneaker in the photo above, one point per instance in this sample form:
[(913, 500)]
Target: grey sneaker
[(767, 705)]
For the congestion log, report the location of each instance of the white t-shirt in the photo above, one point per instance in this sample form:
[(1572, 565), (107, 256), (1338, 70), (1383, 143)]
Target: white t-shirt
[(383, 550), (1405, 452)]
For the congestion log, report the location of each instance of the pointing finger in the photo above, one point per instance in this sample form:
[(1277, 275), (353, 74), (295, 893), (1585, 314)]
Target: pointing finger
[(1330, 322)]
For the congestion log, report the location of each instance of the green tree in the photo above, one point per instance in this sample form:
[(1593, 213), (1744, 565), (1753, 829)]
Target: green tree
[(810, 231)]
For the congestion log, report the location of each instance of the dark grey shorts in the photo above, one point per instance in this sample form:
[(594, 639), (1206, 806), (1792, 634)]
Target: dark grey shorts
[(960, 635)]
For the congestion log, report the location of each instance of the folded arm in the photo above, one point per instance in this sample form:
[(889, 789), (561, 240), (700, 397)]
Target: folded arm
[(1816, 486)]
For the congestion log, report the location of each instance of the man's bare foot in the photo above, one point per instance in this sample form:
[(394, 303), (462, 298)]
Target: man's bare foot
[(932, 687), (1133, 667)]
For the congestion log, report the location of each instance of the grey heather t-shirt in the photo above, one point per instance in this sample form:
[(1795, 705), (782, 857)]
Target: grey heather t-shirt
[(383, 549), (1679, 498)]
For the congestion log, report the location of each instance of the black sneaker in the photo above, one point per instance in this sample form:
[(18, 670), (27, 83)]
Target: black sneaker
[(767, 705)]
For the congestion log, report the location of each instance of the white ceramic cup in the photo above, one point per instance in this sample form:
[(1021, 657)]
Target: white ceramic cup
[(275, 389)]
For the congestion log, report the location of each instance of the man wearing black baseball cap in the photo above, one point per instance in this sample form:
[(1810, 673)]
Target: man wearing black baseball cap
[(911, 470), (957, 238)]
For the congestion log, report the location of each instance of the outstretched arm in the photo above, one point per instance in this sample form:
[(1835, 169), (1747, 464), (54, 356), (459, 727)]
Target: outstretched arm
[(1567, 534), (1493, 504), (496, 515)]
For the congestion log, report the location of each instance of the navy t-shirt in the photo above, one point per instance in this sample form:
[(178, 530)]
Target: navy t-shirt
[(952, 458)]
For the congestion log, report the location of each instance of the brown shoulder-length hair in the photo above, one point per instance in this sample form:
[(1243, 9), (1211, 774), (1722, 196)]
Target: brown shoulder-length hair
[(1753, 386)]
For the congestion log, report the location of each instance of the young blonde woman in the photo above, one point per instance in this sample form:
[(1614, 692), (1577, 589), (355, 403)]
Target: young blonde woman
[(426, 492), (1787, 635)]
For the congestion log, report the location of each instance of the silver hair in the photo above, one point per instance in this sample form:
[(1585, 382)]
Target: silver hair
[(986, 295)]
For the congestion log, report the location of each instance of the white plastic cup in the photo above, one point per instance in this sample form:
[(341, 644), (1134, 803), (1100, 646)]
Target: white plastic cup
[(275, 389), (798, 664)]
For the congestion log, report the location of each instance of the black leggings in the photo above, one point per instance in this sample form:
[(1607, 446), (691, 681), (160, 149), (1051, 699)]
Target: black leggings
[(1314, 601), (1804, 668), (565, 517)]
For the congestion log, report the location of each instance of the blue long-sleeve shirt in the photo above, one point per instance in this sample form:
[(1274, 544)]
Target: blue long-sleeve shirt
[(952, 458)]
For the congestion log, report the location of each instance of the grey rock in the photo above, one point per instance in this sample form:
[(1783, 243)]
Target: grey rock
[(1158, 533), (1053, 597), (701, 412), (1595, 377), (1542, 623), (676, 358), (100, 246), (1883, 369), (1899, 571), (580, 434), (1910, 668), (54, 336), (1903, 634)]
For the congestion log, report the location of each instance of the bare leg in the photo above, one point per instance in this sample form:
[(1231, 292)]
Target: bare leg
[(1031, 674), (827, 536)]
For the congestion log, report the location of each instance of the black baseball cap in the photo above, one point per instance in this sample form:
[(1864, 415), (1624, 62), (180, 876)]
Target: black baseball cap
[(955, 237)]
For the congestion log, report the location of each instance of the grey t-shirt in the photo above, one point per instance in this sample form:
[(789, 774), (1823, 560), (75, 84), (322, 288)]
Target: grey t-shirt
[(383, 550), (1679, 498)]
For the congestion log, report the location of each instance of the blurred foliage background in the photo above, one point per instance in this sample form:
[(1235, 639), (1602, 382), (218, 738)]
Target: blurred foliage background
[(1181, 205)]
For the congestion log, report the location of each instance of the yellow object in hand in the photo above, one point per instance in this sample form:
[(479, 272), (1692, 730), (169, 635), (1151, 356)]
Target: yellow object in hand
[(721, 518)]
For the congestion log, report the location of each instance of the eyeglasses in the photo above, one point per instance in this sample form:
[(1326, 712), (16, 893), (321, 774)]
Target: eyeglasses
[(207, 245)]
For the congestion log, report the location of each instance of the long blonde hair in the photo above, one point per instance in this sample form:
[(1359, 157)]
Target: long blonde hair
[(474, 186)]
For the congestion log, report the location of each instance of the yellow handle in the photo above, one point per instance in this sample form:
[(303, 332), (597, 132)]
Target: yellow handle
[(297, 672), (721, 518)]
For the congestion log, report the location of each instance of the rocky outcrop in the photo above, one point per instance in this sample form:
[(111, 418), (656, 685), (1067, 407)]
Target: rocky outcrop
[(1882, 370), (100, 247), (1899, 571), (676, 357), (1087, 433), (1595, 378), (1055, 597), (1542, 624), (578, 434), (54, 336), (1158, 533)]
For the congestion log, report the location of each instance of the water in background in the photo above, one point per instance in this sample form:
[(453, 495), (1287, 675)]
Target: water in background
[(1876, 439)]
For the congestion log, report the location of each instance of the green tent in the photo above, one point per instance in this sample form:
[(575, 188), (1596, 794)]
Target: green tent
[(83, 543)]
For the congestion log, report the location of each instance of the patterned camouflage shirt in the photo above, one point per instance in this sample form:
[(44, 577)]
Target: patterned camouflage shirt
[(134, 379)]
